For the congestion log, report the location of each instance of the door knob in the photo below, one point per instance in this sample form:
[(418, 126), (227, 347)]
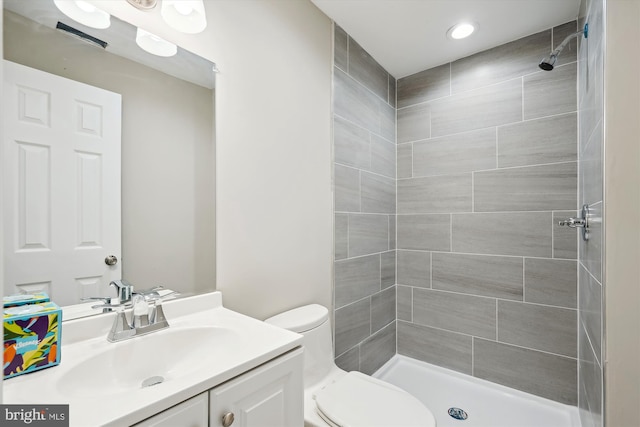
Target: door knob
[(111, 260)]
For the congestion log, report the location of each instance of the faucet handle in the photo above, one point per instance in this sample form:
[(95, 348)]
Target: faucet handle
[(124, 290), (151, 292)]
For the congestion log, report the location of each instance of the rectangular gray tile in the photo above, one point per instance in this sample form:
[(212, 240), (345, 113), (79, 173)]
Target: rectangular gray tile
[(486, 275), (505, 62), (353, 324), (368, 234), (376, 350), (570, 51), (354, 102), (424, 232), (414, 268), (367, 71), (516, 233), (542, 374), (464, 152), (547, 140), (387, 269), (447, 349), (423, 86), (405, 159), (548, 93), (435, 194), (349, 360), (377, 193), (340, 54), (590, 374), (356, 278), (527, 188), (540, 327), (466, 314), (383, 156), (414, 123), (591, 168), (565, 240), (392, 232), (590, 309), (341, 236), (477, 109), (393, 85), (347, 189), (551, 282), (351, 144), (404, 303), (591, 250), (387, 121), (383, 309)]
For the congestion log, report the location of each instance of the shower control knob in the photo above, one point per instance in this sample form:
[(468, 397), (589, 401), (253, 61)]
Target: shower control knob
[(111, 260), (228, 419)]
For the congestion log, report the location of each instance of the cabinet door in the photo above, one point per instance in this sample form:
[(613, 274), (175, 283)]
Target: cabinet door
[(190, 413), (270, 395)]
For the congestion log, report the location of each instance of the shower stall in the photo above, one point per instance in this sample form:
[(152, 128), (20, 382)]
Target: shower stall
[(451, 239)]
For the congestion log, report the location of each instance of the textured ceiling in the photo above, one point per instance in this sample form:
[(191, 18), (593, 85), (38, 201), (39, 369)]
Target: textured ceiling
[(407, 36)]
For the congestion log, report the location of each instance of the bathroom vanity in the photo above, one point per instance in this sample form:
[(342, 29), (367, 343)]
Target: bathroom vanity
[(211, 367)]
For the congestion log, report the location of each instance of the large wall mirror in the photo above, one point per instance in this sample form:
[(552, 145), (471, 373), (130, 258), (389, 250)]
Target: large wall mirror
[(135, 177)]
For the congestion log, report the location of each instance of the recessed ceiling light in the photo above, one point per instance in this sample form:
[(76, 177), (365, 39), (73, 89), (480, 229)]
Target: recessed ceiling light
[(461, 30)]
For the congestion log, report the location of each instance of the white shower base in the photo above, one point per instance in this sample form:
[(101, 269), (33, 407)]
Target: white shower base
[(487, 404)]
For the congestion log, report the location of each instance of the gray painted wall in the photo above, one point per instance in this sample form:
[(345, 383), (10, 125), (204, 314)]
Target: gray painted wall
[(364, 134), (487, 164), (590, 271)]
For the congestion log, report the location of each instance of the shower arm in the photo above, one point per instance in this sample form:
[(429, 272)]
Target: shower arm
[(567, 39)]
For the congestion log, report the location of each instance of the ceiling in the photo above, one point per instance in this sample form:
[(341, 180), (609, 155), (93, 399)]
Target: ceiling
[(407, 36)]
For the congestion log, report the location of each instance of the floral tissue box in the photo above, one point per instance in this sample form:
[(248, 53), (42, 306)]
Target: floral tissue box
[(32, 338)]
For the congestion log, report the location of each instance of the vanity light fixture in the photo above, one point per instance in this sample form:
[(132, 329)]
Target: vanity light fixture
[(84, 13), (187, 16), (461, 30), (154, 44)]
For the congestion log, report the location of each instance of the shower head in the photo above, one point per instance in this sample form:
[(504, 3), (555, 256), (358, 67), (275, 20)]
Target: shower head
[(548, 62)]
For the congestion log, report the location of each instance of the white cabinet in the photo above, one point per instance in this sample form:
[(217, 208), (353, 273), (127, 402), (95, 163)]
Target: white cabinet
[(190, 413), (270, 395)]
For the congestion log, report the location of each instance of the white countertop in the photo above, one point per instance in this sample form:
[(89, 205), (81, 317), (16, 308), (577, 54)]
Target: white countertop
[(254, 343)]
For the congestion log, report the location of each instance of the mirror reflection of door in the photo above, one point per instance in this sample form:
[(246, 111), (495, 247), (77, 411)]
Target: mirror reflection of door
[(62, 184)]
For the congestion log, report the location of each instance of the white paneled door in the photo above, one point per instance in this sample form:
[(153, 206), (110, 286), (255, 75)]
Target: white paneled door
[(61, 185)]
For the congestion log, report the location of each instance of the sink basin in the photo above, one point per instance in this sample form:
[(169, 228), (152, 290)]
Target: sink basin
[(147, 361)]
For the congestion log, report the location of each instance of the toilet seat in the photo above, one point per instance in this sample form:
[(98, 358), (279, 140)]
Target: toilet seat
[(358, 400)]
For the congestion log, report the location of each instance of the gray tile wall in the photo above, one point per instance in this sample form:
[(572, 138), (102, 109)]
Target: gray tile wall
[(364, 138), (590, 278), (486, 165)]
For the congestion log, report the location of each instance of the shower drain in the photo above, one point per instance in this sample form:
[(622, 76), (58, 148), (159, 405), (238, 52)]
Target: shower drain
[(151, 381), (457, 413)]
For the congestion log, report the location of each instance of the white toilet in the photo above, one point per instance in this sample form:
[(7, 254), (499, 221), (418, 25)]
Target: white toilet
[(333, 397)]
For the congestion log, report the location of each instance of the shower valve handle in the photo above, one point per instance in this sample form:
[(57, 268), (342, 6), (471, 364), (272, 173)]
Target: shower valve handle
[(573, 222)]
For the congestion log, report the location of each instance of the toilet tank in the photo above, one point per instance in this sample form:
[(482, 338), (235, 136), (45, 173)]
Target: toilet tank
[(312, 321)]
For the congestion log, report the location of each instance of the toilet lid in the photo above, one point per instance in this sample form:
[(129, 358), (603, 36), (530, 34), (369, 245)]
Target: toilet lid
[(358, 400)]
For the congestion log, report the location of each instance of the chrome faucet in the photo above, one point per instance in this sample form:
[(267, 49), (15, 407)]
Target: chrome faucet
[(147, 314)]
